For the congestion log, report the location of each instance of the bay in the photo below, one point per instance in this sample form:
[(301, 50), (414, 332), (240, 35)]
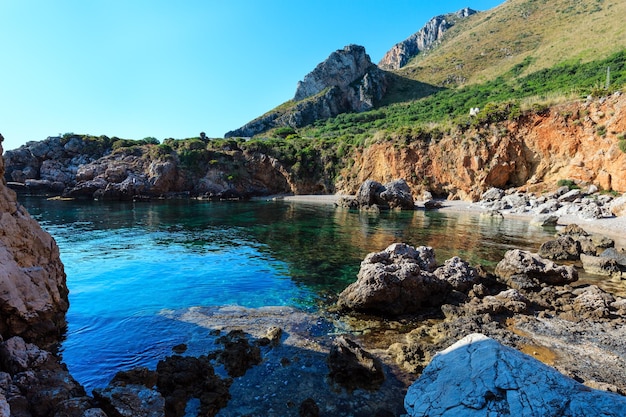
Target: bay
[(128, 263)]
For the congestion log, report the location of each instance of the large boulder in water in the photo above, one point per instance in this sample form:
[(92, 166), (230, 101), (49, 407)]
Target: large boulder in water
[(394, 194), (478, 376), (395, 281)]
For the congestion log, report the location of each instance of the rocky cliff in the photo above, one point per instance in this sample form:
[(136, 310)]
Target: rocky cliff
[(346, 81), (401, 53), (33, 292), (578, 141)]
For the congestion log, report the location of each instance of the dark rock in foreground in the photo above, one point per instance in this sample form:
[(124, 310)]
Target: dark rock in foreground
[(352, 367)]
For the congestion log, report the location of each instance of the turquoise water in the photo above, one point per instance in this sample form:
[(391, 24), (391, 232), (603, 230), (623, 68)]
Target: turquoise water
[(127, 263)]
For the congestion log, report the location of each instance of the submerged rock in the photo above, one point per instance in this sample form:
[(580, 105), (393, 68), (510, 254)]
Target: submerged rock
[(478, 376), (352, 367)]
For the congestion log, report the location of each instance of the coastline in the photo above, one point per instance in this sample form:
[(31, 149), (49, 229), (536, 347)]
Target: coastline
[(613, 227)]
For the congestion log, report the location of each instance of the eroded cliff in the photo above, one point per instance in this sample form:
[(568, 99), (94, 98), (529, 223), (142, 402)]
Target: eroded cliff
[(33, 292), (576, 140)]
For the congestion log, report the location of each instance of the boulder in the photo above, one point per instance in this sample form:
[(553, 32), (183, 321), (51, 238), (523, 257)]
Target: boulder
[(543, 220), (130, 400), (492, 194), (352, 367), (394, 194), (592, 303), (603, 265), (395, 281), (458, 273), (397, 194), (478, 376), (525, 270), (369, 193), (561, 249), (618, 206), (570, 196)]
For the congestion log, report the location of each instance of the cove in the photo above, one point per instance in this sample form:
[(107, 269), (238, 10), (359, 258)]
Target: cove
[(130, 264)]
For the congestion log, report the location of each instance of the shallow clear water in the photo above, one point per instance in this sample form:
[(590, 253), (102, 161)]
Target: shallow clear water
[(127, 263)]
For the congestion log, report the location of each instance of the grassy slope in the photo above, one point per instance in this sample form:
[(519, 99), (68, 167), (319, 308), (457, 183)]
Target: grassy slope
[(489, 44)]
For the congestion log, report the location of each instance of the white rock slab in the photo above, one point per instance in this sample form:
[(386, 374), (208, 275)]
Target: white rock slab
[(478, 376)]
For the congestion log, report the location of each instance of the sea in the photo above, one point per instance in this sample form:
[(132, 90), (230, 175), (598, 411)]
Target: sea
[(131, 265)]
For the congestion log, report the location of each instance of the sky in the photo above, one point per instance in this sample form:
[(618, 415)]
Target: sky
[(157, 68)]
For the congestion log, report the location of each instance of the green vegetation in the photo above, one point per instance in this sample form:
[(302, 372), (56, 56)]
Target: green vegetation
[(571, 184)]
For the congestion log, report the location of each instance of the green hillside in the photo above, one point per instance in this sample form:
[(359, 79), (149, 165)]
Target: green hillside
[(521, 53), (544, 33)]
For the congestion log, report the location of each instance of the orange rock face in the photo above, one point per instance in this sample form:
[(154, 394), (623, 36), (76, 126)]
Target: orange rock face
[(33, 291), (577, 141)]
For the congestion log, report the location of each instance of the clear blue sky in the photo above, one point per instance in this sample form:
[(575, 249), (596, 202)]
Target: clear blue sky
[(138, 68)]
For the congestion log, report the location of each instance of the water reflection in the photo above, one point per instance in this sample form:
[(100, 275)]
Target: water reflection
[(126, 262)]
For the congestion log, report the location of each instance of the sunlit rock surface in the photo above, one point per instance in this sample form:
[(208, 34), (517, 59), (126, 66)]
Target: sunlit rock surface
[(478, 376)]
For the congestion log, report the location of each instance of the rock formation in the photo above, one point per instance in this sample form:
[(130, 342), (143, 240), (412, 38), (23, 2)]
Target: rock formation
[(347, 81), (401, 53), (479, 376), (33, 303), (374, 195), (397, 280), (537, 151), (33, 292)]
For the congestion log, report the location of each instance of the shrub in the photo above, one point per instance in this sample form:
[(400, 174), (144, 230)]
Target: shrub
[(622, 145), (571, 184)]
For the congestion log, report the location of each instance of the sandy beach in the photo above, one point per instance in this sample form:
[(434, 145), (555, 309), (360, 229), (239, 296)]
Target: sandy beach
[(613, 227)]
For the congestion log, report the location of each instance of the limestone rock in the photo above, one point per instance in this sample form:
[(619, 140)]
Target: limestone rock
[(618, 206), (36, 382), (458, 273), (347, 81), (592, 303), (524, 270), (395, 281), (477, 376), (352, 367), (33, 290), (401, 53), (238, 354), (340, 69), (394, 194), (603, 265), (543, 220), (131, 400), (563, 248)]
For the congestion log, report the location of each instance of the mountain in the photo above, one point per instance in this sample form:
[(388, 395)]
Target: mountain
[(347, 81), (518, 38), (537, 34), (427, 37)]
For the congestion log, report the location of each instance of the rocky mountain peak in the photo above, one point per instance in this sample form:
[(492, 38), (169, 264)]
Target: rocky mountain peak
[(340, 69), (401, 53), (353, 84)]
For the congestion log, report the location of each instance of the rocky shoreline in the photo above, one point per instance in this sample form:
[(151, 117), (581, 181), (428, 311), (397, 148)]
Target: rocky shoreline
[(380, 347)]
